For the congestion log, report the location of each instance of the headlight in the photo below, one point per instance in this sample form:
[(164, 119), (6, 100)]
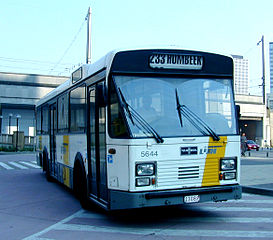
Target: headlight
[(140, 182), (229, 175), (228, 164), (145, 169)]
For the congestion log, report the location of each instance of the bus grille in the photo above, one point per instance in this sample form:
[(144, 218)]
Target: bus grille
[(177, 174), (188, 172)]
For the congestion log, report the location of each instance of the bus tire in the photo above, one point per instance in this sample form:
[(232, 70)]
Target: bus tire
[(80, 184), (46, 167), (44, 161), (40, 163)]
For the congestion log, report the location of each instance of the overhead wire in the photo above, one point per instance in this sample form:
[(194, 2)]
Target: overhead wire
[(69, 46), (32, 61), (28, 68)]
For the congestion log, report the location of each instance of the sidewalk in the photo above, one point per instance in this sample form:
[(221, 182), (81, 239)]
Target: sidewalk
[(256, 172)]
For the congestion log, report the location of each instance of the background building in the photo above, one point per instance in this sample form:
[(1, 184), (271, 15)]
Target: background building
[(254, 120), (240, 75), (18, 95), (271, 66)]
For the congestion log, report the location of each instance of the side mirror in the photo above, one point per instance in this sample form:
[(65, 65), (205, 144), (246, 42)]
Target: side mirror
[(101, 95)]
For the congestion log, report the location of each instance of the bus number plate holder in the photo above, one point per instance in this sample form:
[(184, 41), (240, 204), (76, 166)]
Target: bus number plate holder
[(192, 199)]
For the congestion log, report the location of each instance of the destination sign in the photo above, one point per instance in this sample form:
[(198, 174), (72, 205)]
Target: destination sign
[(176, 61)]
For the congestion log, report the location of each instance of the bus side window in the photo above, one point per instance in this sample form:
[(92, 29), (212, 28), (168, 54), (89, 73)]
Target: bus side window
[(38, 120), (77, 109), (63, 113), (45, 120)]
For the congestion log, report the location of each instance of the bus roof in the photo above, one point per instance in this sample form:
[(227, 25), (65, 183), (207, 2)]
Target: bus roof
[(87, 70)]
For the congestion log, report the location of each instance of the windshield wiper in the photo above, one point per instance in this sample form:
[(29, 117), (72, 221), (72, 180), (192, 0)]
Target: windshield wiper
[(139, 122), (194, 119), (126, 106), (178, 106)]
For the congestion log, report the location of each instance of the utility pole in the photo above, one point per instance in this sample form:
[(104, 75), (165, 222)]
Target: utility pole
[(88, 46), (263, 66)]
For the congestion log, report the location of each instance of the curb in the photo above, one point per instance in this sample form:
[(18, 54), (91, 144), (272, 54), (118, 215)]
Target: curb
[(255, 190)]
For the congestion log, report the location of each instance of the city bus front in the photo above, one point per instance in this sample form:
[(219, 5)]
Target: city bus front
[(173, 135)]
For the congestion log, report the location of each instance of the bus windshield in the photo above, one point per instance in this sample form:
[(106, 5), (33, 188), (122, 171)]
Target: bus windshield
[(155, 100)]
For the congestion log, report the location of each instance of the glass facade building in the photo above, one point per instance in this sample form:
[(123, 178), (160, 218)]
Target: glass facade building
[(271, 66), (240, 75)]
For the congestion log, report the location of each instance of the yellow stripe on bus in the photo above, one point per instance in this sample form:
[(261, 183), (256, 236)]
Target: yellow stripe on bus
[(66, 175), (216, 150)]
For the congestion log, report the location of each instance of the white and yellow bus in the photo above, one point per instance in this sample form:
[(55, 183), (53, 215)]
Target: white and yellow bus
[(142, 128)]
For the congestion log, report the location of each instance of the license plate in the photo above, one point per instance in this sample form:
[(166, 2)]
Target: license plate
[(192, 199)]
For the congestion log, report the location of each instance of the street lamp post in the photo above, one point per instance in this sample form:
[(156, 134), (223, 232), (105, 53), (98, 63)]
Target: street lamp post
[(10, 116), (263, 67), (17, 128), (1, 118)]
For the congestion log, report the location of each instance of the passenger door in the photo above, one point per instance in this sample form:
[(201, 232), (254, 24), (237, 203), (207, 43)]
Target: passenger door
[(52, 136), (96, 146)]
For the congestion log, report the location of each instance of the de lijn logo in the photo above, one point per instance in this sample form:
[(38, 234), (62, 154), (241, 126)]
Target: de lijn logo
[(209, 150)]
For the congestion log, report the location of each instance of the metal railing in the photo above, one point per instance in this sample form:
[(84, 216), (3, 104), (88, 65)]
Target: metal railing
[(9, 142)]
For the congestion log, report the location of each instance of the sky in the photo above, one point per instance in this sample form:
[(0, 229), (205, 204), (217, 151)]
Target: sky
[(49, 36)]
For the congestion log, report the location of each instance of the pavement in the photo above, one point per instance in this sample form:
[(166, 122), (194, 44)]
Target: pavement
[(257, 172)]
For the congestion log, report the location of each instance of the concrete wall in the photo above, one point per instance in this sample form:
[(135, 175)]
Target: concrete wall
[(254, 120), (26, 89), (18, 95)]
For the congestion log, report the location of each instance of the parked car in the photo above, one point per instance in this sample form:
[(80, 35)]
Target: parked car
[(252, 145)]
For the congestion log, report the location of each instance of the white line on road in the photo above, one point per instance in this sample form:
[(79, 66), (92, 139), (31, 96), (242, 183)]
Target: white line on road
[(53, 227), (196, 219), (30, 164), (235, 209), (18, 165), (62, 225), (258, 201), (5, 166), (166, 232)]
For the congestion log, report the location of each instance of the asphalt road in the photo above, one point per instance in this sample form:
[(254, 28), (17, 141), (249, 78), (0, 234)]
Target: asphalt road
[(28, 203), (33, 209)]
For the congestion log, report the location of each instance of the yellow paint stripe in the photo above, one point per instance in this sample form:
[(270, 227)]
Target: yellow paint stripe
[(66, 175), (66, 149), (216, 150)]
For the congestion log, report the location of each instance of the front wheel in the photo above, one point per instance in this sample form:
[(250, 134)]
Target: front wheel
[(80, 186)]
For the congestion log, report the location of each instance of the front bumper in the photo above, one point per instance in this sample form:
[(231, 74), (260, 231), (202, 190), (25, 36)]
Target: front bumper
[(128, 200)]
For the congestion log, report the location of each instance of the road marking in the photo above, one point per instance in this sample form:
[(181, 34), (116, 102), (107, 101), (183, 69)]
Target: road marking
[(223, 220), (165, 232), (65, 226), (30, 164), (235, 209), (239, 201), (53, 227), (5, 166), (18, 165), (258, 201), (197, 219)]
